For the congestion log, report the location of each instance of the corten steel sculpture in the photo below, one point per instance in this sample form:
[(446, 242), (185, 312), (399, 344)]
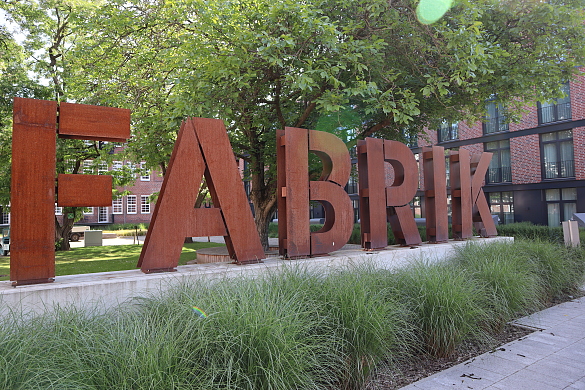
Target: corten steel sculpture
[(379, 203), (295, 191), (435, 183), (35, 126), (202, 149), (482, 218), (461, 204)]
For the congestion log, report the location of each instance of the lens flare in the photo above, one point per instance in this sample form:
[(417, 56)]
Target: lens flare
[(429, 11)]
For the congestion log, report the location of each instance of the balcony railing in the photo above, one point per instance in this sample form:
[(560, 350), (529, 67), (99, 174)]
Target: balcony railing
[(552, 170), (554, 113), (495, 125), (499, 175)]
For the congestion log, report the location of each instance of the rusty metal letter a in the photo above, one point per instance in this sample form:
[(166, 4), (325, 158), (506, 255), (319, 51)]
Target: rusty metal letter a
[(202, 148)]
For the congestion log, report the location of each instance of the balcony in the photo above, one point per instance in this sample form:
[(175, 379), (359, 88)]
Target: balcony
[(499, 175), (554, 113), (495, 125), (553, 170)]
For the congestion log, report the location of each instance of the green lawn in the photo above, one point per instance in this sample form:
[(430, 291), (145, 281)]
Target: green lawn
[(103, 259)]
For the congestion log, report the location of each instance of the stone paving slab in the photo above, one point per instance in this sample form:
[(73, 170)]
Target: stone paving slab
[(552, 358)]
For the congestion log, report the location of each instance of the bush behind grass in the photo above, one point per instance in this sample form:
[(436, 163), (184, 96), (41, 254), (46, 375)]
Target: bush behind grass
[(290, 330)]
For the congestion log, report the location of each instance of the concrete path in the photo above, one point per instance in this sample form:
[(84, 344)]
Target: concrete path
[(551, 358)]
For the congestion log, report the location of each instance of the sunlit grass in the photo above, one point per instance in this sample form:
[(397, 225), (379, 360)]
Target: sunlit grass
[(104, 259)]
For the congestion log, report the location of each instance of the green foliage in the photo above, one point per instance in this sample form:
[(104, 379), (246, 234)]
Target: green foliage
[(512, 283), (291, 329), (448, 306)]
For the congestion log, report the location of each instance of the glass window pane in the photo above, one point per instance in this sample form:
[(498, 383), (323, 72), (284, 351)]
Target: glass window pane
[(548, 137), (569, 194), (508, 197), (491, 145), (494, 197), (565, 134), (568, 210), (554, 215), (552, 194)]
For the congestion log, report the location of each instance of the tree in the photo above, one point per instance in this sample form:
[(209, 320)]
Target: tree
[(50, 32), (262, 65)]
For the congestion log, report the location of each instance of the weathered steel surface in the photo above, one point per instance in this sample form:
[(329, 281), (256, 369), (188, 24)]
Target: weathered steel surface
[(401, 192), (294, 144), (82, 121), (329, 191), (435, 193), (224, 179), (482, 217), (200, 149), (32, 258), (461, 205), (294, 192), (84, 190), (371, 192), (174, 216)]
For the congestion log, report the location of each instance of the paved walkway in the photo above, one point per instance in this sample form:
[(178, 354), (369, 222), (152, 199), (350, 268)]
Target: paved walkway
[(552, 358)]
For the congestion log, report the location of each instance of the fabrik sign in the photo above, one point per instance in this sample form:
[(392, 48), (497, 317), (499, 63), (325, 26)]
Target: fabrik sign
[(202, 150)]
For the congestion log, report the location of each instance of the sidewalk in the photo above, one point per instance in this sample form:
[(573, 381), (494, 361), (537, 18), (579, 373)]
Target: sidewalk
[(551, 358)]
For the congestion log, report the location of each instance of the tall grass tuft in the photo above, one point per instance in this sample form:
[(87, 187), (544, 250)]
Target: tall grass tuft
[(560, 269), (513, 288), (448, 305)]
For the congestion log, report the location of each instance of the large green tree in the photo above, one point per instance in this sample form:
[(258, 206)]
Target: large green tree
[(262, 65)]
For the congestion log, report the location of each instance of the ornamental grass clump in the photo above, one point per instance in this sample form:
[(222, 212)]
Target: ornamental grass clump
[(512, 286), (560, 269), (448, 305), (364, 311)]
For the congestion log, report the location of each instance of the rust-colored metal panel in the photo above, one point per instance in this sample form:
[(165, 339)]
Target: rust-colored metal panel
[(84, 190), (296, 191), (461, 205), (338, 217), (174, 217), (32, 229), (82, 121), (401, 192), (333, 154), (372, 193), (435, 182), (230, 195), (403, 225), (329, 191), (482, 217)]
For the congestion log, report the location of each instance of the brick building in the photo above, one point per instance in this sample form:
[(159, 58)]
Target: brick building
[(537, 172)]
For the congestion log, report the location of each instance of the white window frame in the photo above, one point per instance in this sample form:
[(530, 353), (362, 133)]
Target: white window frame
[(144, 204), (88, 211), (117, 165), (87, 168), (58, 210), (118, 206), (102, 168), (142, 169), (131, 204)]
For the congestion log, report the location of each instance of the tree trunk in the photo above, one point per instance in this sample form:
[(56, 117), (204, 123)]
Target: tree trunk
[(262, 218), (62, 232)]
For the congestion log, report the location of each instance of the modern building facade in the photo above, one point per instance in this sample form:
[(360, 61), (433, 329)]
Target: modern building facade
[(537, 172)]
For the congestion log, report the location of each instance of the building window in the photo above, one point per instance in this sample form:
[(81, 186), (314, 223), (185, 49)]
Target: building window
[(495, 120), (88, 168), (117, 165), (5, 218), (448, 131), (144, 204), (500, 170), (88, 211), (556, 110), (131, 204), (102, 168), (560, 204), (117, 207), (557, 154), (415, 205), (145, 173), (58, 210), (102, 214), (502, 205)]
